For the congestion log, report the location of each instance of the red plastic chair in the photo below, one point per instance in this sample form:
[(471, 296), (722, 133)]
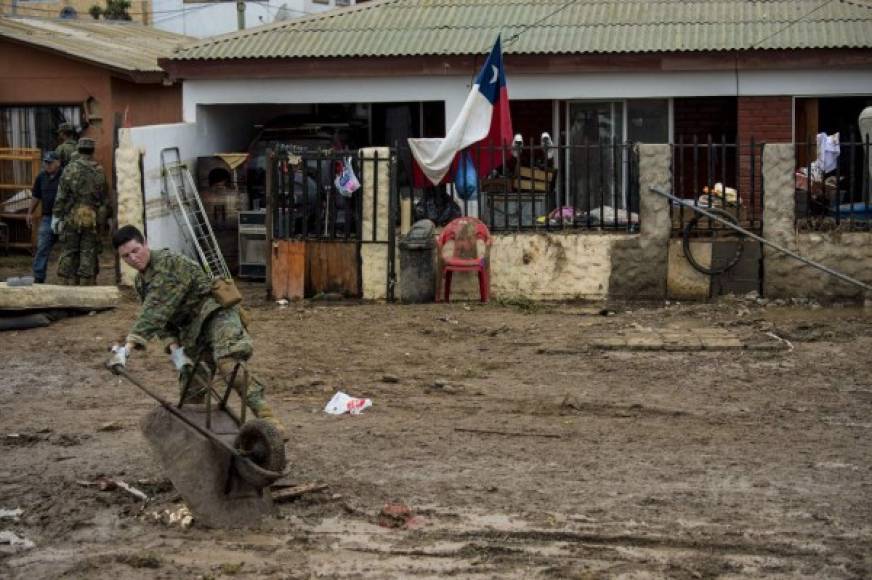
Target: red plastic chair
[(465, 232)]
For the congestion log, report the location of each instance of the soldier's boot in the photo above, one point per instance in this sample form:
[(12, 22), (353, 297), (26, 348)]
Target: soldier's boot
[(88, 281), (227, 368), (70, 281)]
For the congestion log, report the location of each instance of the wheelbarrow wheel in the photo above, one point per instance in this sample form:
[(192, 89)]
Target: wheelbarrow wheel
[(262, 443)]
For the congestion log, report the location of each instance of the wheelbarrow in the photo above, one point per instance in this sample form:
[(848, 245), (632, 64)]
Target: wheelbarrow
[(221, 464)]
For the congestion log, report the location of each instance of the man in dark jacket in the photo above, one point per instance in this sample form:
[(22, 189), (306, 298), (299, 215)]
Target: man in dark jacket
[(45, 188)]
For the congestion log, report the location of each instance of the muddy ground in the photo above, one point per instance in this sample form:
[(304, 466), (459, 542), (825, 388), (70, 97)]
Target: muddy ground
[(750, 463)]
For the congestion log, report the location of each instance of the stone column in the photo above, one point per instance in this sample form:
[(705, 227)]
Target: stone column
[(639, 264), (779, 207), (375, 219), (129, 198)]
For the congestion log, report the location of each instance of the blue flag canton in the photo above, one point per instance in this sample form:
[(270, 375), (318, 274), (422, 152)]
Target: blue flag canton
[(492, 77)]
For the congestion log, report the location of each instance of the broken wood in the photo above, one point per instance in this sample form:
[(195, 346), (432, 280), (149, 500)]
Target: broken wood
[(509, 433), (297, 491), (106, 484)]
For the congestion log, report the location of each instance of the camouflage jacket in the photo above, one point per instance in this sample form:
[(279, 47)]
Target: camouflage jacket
[(65, 151), (82, 185), (176, 296)]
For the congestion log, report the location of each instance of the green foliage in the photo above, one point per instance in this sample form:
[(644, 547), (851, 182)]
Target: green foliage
[(114, 10)]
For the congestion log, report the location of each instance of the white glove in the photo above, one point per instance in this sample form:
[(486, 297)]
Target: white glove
[(57, 225), (119, 358), (180, 359)]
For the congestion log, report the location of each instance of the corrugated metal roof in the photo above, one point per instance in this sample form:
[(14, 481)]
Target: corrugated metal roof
[(124, 46), (455, 27)]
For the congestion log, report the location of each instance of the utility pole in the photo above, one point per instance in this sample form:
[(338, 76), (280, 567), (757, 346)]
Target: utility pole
[(240, 14)]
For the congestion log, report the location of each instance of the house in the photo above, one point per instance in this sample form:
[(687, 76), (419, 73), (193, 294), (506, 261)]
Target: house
[(98, 75), (202, 19), (140, 11), (591, 73)]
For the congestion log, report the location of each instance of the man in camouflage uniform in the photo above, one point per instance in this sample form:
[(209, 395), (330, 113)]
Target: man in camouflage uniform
[(67, 147), (178, 308), (81, 205)]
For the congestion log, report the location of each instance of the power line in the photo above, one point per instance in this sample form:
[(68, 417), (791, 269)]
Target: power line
[(524, 29), (790, 24)]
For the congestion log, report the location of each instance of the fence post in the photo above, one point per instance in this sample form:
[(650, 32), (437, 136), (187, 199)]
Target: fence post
[(639, 265), (375, 220), (779, 219)]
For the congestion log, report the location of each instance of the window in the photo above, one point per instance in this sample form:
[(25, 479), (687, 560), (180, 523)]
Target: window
[(648, 121), (35, 126), (597, 163)]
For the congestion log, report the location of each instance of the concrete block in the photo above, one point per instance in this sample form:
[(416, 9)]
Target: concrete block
[(684, 282)]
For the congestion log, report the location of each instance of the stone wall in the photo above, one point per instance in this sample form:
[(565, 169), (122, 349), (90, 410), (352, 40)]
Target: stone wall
[(849, 253)]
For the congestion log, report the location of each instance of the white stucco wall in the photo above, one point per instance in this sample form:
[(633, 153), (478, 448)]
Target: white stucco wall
[(161, 226), (454, 89), (552, 266)]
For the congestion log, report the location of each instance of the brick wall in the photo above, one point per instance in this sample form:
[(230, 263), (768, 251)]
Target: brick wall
[(696, 120), (765, 120)]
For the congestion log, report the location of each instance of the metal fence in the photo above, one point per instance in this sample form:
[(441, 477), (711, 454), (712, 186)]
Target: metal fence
[(305, 201), (590, 186), (832, 187), (721, 175)]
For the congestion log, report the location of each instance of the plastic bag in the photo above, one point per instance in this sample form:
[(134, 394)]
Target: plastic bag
[(346, 182), (342, 403), (466, 178)]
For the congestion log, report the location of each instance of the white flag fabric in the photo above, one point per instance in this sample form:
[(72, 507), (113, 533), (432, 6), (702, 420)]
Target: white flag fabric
[(485, 115)]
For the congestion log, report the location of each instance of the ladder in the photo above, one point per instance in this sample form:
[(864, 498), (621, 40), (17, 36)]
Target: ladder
[(184, 200)]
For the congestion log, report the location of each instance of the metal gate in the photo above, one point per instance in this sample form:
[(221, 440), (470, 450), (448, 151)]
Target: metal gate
[(317, 230), (726, 179)]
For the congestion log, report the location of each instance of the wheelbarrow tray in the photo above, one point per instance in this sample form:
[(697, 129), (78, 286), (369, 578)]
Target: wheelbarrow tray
[(202, 471)]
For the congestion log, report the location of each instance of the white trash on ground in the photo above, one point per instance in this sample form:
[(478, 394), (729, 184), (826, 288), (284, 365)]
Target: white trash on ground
[(342, 403), (14, 541), (12, 514)]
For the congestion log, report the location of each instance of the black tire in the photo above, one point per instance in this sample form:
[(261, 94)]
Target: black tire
[(262, 443), (686, 239), (24, 322)]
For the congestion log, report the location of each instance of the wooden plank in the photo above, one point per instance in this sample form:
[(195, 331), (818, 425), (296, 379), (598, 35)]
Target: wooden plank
[(296, 270), (279, 269), (332, 267)]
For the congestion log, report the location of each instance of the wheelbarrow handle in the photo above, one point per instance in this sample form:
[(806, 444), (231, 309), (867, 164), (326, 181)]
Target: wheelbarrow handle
[(121, 371)]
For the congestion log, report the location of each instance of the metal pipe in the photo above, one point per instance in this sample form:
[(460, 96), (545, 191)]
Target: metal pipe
[(743, 231)]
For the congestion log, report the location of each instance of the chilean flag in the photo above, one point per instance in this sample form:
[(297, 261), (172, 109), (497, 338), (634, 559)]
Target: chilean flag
[(484, 119)]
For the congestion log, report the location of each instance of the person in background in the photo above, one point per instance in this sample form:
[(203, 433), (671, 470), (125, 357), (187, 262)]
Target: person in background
[(67, 147), (44, 190), (81, 207)]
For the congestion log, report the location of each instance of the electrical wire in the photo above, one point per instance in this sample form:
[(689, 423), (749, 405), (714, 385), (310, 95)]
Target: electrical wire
[(525, 28), (790, 24)]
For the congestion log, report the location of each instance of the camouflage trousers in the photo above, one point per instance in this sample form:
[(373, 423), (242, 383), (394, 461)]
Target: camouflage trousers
[(80, 250), (223, 343)]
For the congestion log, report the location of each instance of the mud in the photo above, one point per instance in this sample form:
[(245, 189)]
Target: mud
[(653, 464)]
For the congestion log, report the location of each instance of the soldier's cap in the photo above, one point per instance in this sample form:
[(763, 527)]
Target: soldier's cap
[(65, 128), (50, 156), (86, 143)]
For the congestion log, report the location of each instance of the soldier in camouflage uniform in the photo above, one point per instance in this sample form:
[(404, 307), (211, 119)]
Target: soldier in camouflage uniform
[(81, 205), (67, 147), (179, 310)]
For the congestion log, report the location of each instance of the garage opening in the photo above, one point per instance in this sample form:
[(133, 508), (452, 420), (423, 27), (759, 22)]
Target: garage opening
[(234, 178)]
